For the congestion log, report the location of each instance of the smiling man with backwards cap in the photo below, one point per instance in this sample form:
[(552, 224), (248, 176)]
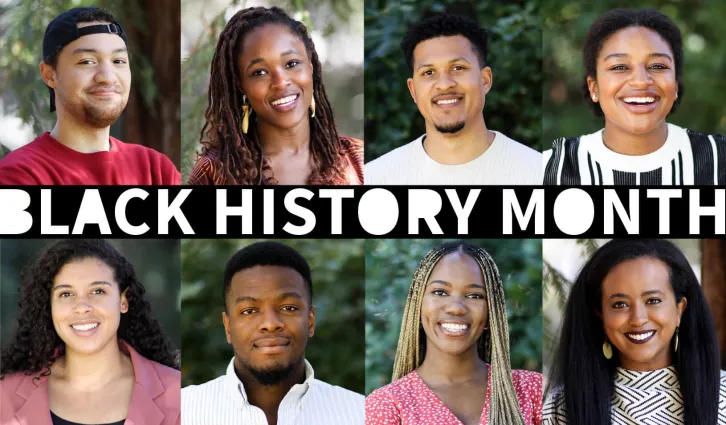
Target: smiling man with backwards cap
[(86, 68), (268, 319), (448, 57)]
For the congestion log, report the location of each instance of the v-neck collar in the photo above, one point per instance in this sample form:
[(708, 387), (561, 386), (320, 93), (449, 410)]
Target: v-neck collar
[(483, 419)]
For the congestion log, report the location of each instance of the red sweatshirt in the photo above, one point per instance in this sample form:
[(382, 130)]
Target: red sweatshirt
[(46, 161)]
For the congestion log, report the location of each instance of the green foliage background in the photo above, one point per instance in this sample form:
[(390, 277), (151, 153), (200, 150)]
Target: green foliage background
[(514, 104), (156, 262), (338, 271), (389, 268), (566, 24)]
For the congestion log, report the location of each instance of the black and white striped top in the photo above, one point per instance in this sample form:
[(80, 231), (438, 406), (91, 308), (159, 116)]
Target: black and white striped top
[(641, 397), (686, 158)]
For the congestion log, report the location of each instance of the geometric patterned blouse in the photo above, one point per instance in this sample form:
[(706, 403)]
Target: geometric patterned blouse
[(641, 397)]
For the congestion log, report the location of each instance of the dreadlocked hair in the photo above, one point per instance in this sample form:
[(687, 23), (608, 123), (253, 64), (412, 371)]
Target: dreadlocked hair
[(492, 347), (240, 155), (35, 344)]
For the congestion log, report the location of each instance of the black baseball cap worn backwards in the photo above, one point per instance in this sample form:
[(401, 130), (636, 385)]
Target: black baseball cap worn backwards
[(63, 30)]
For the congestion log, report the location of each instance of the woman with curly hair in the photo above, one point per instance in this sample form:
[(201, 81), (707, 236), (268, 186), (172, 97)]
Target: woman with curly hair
[(269, 120), (633, 79), (452, 361), (87, 348)]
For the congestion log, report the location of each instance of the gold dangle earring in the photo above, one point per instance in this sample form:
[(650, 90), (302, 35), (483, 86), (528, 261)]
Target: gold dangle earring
[(675, 348), (312, 106), (607, 349), (245, 114)]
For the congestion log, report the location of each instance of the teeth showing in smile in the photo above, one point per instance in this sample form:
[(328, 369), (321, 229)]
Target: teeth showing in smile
[(87, 327), (447, 102), (454, 327), (640, 337), (285, 100), (639, 100)]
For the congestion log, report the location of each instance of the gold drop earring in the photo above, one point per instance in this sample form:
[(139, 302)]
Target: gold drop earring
[(675, 348), (312, 106), (607, 349), (245, 114)]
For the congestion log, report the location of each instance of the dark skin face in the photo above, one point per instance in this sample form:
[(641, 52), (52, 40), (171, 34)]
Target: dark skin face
[(268, 321), (640, 313), (277, 76), (636, 87), (448, 84)]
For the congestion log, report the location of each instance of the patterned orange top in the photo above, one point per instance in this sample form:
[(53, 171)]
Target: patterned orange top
[(206, 170)]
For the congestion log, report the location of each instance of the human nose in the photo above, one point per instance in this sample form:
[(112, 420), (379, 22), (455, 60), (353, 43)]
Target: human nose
[(270, 322), (105, 73), (445, 82), (641, 77), (638, 315), (280, 79), (82, 305), (455, 306)]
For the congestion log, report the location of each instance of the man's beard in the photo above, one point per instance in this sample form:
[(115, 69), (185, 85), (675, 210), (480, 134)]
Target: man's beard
[(450, 128), (102, 117), (274, 374)]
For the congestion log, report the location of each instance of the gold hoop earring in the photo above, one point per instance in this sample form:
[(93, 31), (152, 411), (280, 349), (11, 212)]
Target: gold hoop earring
[(675, 348), (607, 349), (245, 114), (312, 106)]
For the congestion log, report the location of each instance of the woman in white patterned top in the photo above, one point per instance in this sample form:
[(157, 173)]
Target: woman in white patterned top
[(638, 344), (634, 80)]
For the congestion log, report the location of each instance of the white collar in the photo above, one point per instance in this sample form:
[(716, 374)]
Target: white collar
[(237, 388)]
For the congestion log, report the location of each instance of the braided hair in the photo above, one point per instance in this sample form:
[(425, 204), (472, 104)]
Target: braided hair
[(492, 347), (238, 155)]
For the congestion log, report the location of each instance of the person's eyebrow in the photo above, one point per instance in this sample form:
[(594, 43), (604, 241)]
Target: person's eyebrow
[(651, 55), (618, 295), (439, 282), (245, 298), (258, 60), (460, 58), (651, 292), (65, 286), (290, 295), (91, 50)]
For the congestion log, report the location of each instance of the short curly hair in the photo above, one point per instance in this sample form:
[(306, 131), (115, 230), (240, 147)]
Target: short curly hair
[(618, 19), (33, 346), (267, 253), (444, 25)]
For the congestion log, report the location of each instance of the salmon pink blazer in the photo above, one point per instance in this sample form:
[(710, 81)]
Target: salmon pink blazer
[(155, 399)]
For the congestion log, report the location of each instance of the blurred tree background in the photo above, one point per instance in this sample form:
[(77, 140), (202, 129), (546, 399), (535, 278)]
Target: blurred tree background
[(704, 48), (156, 262), (338, 272), (151, 117), (514, 104), (390, 265), (336, 27)]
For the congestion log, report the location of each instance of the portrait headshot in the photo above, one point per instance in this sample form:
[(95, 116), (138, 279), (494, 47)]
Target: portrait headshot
[(456, 355), (290, 317), (635, 331), (632, 94), (453, 94), (89, 335), (87, 96), (273, 93)]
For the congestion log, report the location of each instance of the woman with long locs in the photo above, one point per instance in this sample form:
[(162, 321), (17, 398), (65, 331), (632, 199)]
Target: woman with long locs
[(452, 363), (86, 347), (269, 120), (638, 344), (633, 80)]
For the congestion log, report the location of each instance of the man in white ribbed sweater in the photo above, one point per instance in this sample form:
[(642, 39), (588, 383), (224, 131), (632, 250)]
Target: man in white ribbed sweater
[(268, 319), (448, 57)]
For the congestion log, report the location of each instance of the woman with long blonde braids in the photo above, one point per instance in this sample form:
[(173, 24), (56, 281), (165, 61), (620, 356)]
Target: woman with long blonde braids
[(452, 362)]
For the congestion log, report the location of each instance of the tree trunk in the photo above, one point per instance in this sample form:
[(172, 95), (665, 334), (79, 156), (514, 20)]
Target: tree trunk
[(713, 281)]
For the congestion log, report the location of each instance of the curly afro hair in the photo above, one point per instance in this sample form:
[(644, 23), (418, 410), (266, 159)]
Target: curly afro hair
[(33, 346), (617, 19), (444, 25)]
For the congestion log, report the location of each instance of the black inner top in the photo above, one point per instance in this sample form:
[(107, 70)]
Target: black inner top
[(60, 421)]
